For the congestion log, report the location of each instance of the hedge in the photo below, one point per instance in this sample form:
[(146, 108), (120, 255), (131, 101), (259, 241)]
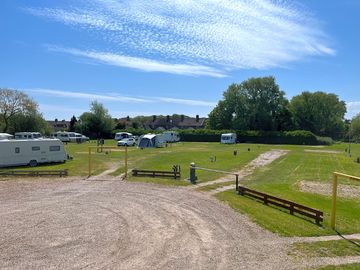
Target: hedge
[(300, 137)]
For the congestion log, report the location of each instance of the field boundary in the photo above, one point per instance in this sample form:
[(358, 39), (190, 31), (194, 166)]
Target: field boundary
[(60, 173)]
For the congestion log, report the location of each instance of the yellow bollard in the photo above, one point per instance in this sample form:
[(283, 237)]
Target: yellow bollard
[(89, 162), (126, 162), (334, 195)]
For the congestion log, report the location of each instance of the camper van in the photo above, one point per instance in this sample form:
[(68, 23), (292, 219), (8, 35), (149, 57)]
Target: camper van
[(228, 138), (27, 135), (31, 152), (151, 140), (171, 136), (122, 135)]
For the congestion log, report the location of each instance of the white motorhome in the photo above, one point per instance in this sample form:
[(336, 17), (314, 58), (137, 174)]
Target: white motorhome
[(5, 136), (228, 138), (171, 136), (31, 152), (27, 135), (122, 135), (151, 140)]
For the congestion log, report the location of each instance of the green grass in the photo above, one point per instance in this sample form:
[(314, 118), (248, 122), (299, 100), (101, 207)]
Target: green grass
[(281, 178), (352, 266), (326, 249)]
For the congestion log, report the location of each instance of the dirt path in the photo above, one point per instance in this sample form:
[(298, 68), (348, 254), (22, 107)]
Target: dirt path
[(64, 224), (261, 161), (346, 191)]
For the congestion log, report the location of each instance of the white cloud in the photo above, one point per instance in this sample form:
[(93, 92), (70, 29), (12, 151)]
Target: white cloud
[(353, 108), (119, 98), (226, 34), (143, 64)]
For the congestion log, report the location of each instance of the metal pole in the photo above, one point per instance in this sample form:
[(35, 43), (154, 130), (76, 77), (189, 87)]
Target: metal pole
[(334, 195)]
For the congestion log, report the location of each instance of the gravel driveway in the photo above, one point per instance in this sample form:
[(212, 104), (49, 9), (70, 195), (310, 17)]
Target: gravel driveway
[(73, 224)]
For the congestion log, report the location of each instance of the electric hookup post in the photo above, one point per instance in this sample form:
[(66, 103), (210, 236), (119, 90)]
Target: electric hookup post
[(193, 176)]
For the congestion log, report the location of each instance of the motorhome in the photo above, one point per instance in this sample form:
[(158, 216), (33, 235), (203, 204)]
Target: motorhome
[(228, 138), (31, 152), (151, 140), (5, 136), (27, 135), (171, 136), (122, 135)]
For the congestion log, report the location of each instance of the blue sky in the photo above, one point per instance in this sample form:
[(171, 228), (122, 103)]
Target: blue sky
[(143, 57)]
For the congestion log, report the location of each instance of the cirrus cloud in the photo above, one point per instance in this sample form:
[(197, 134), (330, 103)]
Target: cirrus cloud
[(214, 36)]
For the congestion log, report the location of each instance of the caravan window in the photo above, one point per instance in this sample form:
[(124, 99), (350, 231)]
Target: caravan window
[(17, 150), (35, 148), (54, 148)]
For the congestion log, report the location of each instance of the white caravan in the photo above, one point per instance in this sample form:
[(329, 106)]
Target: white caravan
[(31, 152), (27, 135), (65, 136), (122, 135), (151, 140), (171, 136), (5, 136), (228, 138)]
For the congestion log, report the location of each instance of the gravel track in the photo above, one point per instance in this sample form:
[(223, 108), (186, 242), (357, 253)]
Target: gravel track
[(75, 224)]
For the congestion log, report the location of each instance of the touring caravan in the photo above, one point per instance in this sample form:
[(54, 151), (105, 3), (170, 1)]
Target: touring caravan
[(151, 140), (228, 138), (27, 135), (122, 135), (31, 152), (171, 136), (65, 136), (5, 136)]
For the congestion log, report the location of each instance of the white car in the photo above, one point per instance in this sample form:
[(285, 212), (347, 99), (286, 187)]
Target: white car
[(126, 142)]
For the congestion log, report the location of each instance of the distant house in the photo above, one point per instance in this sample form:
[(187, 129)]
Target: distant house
[(59, 125), (181, 122)]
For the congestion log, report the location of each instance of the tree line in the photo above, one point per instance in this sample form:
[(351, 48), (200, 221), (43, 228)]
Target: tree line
[(259, 104), (255, 104)]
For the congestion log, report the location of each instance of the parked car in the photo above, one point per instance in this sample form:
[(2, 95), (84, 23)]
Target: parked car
[(127, 142)]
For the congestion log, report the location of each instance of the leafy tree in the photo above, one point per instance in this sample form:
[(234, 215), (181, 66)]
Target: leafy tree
[(97, 122), (355, 128), (29, 122), (319, 112), (73, 121), (255, 104), (14, 103)]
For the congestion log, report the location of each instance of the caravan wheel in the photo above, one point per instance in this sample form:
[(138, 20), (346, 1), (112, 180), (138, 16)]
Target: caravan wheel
[(33, 163)]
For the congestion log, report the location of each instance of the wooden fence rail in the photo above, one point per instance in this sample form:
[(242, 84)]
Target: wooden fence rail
[(175, 174), (60, 173), (289, 205)]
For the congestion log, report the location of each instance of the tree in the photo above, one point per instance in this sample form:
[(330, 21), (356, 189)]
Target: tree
[(255, 104), (73, 121), (97, 122), (355, 128), (319, 112), (14, 103), (29, 122)]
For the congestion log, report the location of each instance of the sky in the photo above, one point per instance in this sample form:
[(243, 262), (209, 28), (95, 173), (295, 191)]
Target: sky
[(141, 57)]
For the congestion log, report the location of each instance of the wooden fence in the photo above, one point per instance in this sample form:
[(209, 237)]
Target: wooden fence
[(175, 173), (289, 205), (60, 173)]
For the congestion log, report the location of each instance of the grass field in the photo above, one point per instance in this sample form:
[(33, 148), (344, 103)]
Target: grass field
[(282, 177), (326, 249)]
